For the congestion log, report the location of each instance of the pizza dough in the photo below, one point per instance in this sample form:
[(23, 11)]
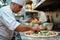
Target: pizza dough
[(41, 34)]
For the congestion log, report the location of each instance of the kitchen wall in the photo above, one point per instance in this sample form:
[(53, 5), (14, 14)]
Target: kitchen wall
[(54, 16), (2, 4), (8, 1)]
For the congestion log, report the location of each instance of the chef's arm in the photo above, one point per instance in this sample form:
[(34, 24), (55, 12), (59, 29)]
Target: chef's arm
[(22, 28), (9, 21)]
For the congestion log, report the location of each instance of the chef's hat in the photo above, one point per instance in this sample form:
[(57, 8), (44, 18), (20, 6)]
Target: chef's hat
[(21, 2)]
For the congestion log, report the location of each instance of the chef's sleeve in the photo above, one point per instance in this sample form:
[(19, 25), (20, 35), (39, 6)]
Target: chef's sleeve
[(9, 20)]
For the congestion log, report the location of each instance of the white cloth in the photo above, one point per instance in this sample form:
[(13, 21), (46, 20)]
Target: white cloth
[(42, 16), (20, 2), (8, 22), (4, 38)]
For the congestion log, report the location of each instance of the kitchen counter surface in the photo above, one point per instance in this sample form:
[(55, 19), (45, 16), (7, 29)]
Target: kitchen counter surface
[(23, 37)]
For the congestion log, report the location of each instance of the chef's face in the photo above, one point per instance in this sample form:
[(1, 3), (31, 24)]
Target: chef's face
[(16, 7)]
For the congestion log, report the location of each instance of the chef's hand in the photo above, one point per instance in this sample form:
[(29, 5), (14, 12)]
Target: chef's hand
[(35, 29)]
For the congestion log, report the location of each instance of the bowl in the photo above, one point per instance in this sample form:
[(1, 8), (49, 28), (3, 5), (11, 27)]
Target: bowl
[(48, 25)]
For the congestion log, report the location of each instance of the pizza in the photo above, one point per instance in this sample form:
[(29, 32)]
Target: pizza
[(41, 34)]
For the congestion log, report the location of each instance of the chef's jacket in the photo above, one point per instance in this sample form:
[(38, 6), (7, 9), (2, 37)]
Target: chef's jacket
[(8, 22), (42, 16)]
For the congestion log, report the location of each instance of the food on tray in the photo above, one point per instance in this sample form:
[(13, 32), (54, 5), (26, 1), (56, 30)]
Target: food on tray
[(42, 34)]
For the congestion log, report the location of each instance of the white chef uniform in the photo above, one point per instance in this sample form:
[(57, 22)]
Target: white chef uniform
[(42, 16), (8, 22)]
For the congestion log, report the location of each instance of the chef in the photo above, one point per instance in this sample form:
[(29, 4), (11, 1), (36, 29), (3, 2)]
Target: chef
[(8, 23), (42, 18)]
